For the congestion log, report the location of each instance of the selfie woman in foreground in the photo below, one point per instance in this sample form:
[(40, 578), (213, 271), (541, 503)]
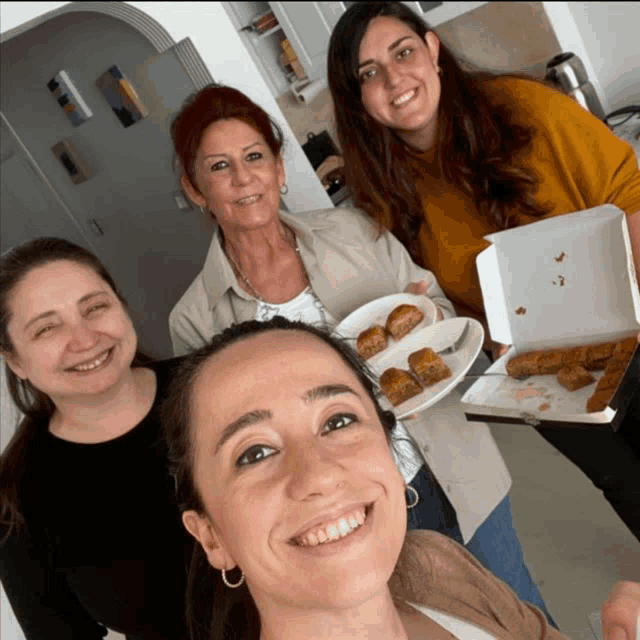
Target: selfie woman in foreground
[(319, 267), (443, 156), (283, 467), (90, 533)]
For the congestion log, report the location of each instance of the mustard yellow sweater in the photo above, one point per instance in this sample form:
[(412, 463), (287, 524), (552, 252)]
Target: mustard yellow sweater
[(580, 162)]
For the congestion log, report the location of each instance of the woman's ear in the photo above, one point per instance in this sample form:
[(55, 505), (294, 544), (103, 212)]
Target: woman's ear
[(13, 362), (191, 192), (205, 533), (433, 44)]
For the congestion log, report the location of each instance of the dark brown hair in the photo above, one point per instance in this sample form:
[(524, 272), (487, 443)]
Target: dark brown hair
[(215, 612), (36, 406), (478, 140), (202, 108)]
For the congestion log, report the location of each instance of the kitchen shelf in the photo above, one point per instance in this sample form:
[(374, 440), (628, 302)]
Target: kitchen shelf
[(271, 31), (259, 16), (264, 48), (306, 26)]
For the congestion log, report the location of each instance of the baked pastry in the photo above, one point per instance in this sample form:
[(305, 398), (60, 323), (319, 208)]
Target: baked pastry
[(625, 348), (612, 376), (371, 341), (398, 385), (599, 401), (575, 356), (403, 319), (598, 355), (574, 377), (592, 357), (535, 363), (428, 366)]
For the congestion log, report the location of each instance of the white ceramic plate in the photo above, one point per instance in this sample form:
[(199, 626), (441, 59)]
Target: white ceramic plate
[(459, 362), (377, 311), (397, 353)]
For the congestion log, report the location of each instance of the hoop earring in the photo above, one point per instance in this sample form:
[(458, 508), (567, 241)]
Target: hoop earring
[(232, 586), (284, 189), (415, 496), (203, 210)]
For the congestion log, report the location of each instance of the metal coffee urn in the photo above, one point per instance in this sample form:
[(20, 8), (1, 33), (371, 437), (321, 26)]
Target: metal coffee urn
[(567, 71)]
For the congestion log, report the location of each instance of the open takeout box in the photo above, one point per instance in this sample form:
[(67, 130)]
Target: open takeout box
[(561, 282)]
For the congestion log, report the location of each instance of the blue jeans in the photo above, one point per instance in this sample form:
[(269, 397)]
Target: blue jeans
[(495, 543)]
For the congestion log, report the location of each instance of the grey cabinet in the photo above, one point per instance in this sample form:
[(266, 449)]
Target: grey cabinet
[(308, 26), (264, 48)]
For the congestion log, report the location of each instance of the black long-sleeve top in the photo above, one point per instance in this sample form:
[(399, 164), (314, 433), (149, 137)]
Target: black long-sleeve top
[(103, 544)]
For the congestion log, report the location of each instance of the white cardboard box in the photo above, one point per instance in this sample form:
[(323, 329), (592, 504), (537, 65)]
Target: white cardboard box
[(560, 282)]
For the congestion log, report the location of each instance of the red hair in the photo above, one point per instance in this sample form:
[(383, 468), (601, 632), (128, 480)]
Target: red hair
[(201, 109)]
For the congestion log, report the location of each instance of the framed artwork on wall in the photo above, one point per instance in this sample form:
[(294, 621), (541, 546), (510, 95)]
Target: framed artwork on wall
[(122, 97), (75, 166), (69, 98)]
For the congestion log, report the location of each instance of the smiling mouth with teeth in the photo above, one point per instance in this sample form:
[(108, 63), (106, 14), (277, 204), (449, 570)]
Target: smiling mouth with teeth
[(405, 97), (249, 199), (94, 364), (335, 530)]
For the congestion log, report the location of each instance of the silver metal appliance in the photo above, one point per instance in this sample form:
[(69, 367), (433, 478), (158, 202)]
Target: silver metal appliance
[(567, 71)]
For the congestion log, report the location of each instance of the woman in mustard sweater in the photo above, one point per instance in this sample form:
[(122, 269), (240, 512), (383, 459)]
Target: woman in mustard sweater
[(443, 156)]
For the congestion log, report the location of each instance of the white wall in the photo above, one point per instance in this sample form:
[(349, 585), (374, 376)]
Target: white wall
[(13, 14), (605, 36), (570, 39), (609, 31)]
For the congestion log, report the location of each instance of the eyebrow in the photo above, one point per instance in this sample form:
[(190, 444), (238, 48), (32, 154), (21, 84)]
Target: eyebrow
[(390, 48), (48, 314), (260, 415), (253, 144), (326, 391), (246, 420)]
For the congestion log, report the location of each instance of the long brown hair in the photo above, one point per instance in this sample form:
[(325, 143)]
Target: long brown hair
[(477, 138), (215, 612), (36, 406)]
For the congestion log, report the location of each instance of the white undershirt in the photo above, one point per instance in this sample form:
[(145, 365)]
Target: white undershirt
[(308, 308), (305, 307), (459, 628)]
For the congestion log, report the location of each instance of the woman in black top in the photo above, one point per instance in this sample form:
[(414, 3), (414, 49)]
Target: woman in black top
[(90, 537)]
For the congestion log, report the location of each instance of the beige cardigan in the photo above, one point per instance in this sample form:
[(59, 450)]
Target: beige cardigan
[(436, 571), (347, 268), (349, 265)]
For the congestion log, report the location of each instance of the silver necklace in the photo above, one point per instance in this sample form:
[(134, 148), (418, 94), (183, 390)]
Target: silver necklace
[(241, 273)]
